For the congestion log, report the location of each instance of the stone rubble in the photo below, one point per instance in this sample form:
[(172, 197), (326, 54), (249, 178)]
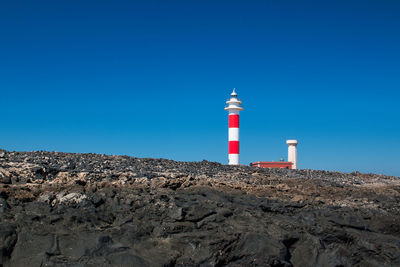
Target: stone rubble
[(61, 209)]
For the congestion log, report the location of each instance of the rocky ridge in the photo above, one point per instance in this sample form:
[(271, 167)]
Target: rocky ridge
[(60, 209)]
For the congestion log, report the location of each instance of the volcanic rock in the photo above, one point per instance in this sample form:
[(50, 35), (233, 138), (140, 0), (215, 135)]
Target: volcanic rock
[(60, 209)]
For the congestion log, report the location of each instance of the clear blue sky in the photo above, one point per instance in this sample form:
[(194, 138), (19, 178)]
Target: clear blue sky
[(150, 79)]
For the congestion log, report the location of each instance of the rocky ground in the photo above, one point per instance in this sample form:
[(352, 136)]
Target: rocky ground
[(60, 209)]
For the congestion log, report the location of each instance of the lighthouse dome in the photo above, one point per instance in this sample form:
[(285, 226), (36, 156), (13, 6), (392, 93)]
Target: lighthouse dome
[(234, 94)]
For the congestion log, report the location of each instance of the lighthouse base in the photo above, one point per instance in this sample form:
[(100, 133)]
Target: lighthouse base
[(233, 159)]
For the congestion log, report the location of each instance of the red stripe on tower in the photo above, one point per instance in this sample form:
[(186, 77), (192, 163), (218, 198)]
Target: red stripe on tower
[(233, 147), (233, 121)]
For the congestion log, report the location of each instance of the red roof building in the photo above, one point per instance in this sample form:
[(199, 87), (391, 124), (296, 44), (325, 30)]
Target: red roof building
[(272, 164)]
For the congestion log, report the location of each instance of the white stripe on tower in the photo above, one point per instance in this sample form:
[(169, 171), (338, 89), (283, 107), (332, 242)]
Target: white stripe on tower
[(234, 108), (233, 134)]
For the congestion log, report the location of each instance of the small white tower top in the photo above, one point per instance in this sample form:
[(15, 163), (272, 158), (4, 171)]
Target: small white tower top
[(291, 142)]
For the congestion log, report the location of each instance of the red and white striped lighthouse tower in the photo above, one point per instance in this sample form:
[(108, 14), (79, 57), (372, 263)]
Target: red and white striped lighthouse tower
[(234, 108)]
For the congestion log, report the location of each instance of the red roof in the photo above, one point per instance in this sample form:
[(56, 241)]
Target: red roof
[(272, 164)]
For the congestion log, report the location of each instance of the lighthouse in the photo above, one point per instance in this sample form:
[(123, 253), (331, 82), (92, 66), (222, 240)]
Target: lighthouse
[(292, 152), (234, 107)]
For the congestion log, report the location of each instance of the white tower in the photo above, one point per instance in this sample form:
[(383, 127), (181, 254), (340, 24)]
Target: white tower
[(292, 152), (234, 107)]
